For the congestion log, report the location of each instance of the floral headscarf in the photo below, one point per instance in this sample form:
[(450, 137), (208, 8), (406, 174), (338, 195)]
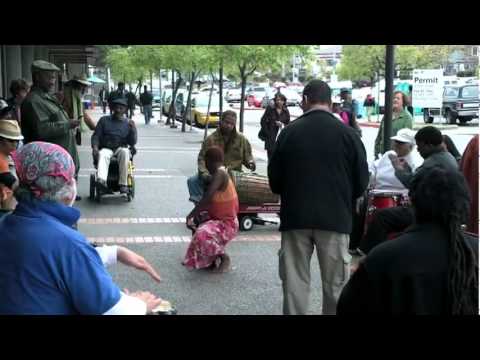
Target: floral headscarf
[(43, 167)]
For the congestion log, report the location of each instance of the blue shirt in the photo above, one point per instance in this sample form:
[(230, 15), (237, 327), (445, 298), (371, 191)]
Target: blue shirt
[(46, 267)]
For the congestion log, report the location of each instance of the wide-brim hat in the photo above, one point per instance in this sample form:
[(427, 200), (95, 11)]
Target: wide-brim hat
[(81, 79), (405, 136), (9, 129), (41, 65), (120, 101)]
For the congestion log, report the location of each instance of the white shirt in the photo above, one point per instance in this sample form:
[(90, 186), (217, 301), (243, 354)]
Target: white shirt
[(127, 305), (383, 174)]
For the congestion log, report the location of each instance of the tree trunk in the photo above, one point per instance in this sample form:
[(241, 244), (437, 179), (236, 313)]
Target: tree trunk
[(170, 108), (173, 108), (189, 103), (242, 100), (160, 92), (208, 108), (220, 87)]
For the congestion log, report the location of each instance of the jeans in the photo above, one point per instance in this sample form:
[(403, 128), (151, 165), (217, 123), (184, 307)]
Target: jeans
[(147, 112), (196, 188)]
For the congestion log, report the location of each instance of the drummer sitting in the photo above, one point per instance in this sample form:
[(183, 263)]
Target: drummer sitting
[(382, 178), (429, 141), (237, 152), (382, 172)]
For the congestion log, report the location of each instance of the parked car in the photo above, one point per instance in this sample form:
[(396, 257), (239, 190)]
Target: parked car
[(200, 107), (459, 102), (234, 95), (180, 102), (293, 99), (256, 95), (156, 100)]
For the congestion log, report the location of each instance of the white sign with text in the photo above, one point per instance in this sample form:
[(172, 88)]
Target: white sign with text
[(427, 89)]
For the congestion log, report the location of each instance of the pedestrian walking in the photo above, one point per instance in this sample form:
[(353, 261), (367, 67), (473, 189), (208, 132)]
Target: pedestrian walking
[(103, 99), (146, 99), (401, 119), (132, 102), (348, 110), (318, 193), (432, 268), (273, 120), (369, 105)]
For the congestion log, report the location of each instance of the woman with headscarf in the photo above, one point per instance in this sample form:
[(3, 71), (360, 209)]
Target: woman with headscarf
[(47, 267), (274, 118), (401, 119), (214, 219)]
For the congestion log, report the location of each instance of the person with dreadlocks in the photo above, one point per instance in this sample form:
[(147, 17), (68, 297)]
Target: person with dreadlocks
[(220, 226), (432, 268)]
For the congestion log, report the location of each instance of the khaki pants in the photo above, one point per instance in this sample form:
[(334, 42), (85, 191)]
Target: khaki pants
[(123, 157), (294, 268)]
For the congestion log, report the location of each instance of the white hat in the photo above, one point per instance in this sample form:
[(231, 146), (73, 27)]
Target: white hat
[(405, 136), (9, 129)]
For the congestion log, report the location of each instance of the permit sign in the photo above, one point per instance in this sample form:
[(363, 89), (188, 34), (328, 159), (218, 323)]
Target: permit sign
[(427, 90)]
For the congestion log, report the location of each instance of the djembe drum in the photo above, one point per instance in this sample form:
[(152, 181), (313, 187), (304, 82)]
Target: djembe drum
[(253, 189)]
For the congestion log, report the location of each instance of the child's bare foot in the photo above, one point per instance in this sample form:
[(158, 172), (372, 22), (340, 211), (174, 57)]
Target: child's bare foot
[(224, 264)]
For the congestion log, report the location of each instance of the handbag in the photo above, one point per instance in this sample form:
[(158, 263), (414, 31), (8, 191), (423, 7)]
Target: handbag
[(262, 135), (78, 137)]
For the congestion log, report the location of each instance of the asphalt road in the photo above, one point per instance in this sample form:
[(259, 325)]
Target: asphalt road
[(153, 224)]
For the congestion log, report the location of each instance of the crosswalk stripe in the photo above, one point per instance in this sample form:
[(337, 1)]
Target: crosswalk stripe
[(174, 239), (150, 220)]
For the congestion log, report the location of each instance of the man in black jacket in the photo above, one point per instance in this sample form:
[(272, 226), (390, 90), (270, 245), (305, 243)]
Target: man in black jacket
[(319, 168)]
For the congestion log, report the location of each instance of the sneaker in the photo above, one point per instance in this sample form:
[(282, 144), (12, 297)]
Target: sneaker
[(124, 189)]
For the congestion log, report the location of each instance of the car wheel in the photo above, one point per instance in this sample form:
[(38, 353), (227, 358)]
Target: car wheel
[(450, 116), (92, 187), (427, 119), (196, 122), (463, 119), (246, 223)]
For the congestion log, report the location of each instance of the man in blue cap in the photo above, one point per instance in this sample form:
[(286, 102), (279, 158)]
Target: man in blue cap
[(113, 134)]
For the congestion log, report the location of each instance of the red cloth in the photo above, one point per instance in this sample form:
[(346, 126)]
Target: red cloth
[(469, 167)]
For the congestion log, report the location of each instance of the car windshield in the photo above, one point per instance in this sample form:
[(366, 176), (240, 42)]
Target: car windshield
[(470, 92), (451, 91), (259, 89)]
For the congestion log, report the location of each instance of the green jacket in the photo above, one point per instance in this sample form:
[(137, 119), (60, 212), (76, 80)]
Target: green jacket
[(238, 152), (44, 119), (403, 120)]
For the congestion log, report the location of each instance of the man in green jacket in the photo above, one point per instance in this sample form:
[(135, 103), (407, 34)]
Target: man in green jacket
[(43, 117), (236, 147), (401, 119)]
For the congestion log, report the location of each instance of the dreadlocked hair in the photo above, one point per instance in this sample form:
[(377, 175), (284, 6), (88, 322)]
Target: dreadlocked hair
[(442, 197)]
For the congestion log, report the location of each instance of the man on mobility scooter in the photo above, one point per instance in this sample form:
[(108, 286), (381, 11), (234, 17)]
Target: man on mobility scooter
[(112, 137)]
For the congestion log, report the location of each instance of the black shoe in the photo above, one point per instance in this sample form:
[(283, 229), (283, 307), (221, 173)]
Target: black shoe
[(124, 189), (102, 186), (78, 198)]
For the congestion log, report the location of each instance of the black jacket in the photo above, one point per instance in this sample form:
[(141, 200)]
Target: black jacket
[(111, 133), (269, 126), (318, 167), (407, 275)]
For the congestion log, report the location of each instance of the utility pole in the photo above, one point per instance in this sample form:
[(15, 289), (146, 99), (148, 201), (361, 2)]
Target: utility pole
[(389, 75)]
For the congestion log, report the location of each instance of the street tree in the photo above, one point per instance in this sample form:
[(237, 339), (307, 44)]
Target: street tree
[(246, 59)]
